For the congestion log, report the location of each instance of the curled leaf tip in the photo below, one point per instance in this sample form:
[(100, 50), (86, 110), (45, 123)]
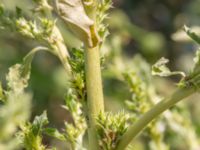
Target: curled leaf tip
[(160, 69), (74, 15)]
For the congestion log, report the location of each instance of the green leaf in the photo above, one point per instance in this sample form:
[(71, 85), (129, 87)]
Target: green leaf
[(39, 122), (197, 61), (74, 15), (1, 10), (194, 77), (1, 92), (18, 11), (54, 133), (192, 34), (160, 69), (31, 135)]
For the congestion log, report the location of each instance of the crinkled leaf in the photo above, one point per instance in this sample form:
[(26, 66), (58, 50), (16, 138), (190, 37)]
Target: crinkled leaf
[(73, 13), (31, 135), (17, 82), (160, 69), (192, 34), (19, 74), (54, 133), (39, 122)]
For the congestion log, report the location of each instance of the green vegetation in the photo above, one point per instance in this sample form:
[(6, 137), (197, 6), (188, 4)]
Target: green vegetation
[(90, 125)]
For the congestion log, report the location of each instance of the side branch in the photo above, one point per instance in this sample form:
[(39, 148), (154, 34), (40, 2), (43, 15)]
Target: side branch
[(144, 120)]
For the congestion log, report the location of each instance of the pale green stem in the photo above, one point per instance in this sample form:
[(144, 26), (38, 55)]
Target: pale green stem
[(94, 93), (94, 89), (144, 120)]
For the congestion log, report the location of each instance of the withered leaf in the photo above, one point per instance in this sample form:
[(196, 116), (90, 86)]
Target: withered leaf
[(74, 15)]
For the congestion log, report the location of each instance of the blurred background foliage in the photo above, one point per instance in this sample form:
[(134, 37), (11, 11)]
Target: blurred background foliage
[(151, 28)]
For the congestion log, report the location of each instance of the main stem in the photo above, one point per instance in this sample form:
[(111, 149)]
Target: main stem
[(94, 92), (143, 121)]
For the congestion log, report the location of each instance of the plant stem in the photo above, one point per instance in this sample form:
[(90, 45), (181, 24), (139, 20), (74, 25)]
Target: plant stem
[(94, 89), (94, 92), (60, 49), (144, 120)]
